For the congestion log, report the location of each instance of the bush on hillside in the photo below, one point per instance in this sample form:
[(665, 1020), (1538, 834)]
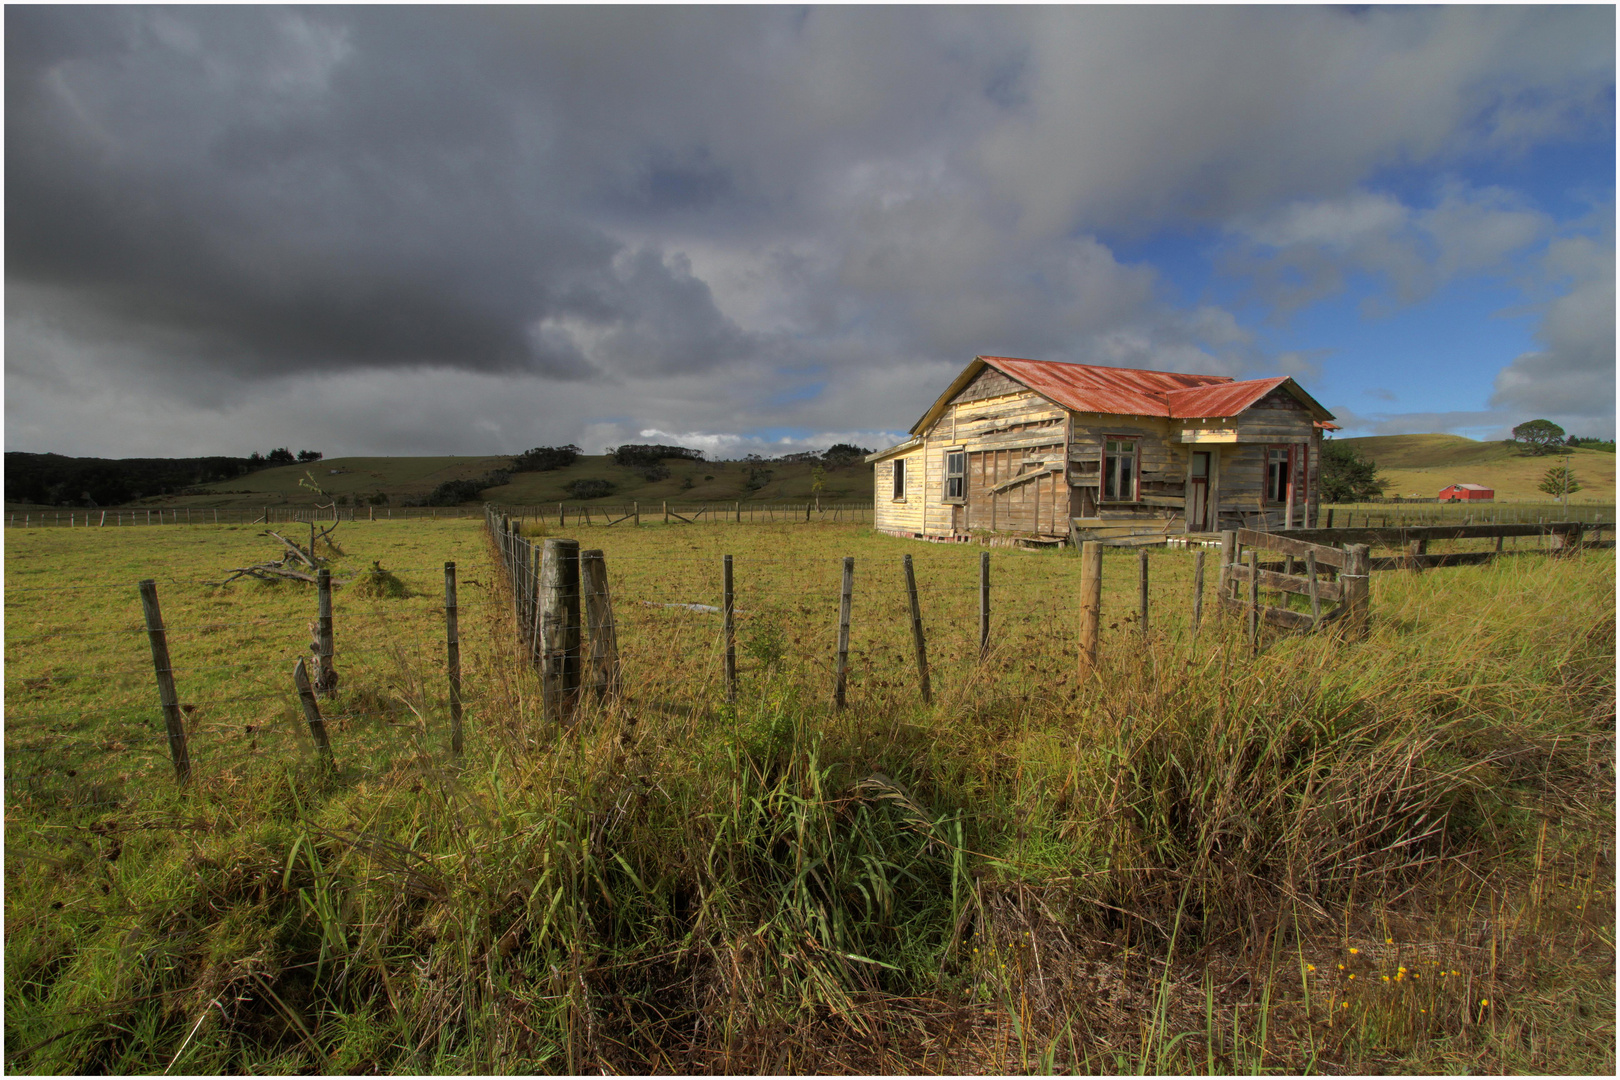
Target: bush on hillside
[(546, 458), (634, 455), (1347, 476), (589, 489)]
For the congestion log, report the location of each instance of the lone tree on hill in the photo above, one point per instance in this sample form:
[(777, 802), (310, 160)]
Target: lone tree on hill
[(1538, 436), (1559, 481), (1347, 476)]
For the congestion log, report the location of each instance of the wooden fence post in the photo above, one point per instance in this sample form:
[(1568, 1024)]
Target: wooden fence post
[(559, 628), (984, 605), (1229, 552), (173, 721), (728, 611), (919, 643), (1142, 588), (1254, 599), (599, 619), (1357, 593), (841, 673), (312, 713), (736, 509), (1090, 605), (1316, 590), (452, 648), (326, 678), (635, 509), (1198, 590), (666, 511)]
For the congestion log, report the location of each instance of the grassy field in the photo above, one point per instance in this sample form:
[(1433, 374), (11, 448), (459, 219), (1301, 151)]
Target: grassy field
[(1197, 860), (1423, 464)]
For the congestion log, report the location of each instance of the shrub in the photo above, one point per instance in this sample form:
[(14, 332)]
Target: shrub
[(1347, 476), (589, 489), (632, 455), (546, 458)]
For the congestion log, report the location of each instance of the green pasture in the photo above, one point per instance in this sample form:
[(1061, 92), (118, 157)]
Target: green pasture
[(1423, 464), (1390, 855)]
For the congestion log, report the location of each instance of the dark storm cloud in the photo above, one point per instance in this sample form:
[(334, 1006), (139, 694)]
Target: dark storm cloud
[(292, 195), (576, 223)]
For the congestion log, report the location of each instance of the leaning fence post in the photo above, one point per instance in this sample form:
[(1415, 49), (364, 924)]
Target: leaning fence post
[(1198, 590), (1090, 604), (559, 628), (326, 678), (984, 605), (599, 618), (312, 713), (917, 638), (172, 719), (452, 647), (841, 674), (727, 608)]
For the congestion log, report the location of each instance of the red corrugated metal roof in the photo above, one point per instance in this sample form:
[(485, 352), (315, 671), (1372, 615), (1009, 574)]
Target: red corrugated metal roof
[(1135, 392), (1226, 399), (1116, 391), (1127, 391), (1467, 487)]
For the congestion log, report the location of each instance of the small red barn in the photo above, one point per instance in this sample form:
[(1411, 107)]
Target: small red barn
[(1465, 492)]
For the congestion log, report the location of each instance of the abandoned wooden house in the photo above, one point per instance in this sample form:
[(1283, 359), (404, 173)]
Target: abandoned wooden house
[(1052, 452)]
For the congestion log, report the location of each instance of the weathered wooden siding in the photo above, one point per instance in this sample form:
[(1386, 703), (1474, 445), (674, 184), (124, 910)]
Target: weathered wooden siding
[(1162, 461), (899, 515), (1009, 432)]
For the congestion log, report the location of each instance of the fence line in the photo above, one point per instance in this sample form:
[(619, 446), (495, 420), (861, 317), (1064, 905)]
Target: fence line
[(564, 513), (871, 636)]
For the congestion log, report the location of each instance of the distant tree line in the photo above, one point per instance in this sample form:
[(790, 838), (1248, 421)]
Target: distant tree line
[(57, 480)]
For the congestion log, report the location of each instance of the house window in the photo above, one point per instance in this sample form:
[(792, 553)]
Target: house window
[(900, 480), (1119, 469), (955, 475), (1279, 473)]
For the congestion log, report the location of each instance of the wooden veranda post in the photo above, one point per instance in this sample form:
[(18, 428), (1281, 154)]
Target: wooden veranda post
[(599, 620), (917, 639), (173, 721), (452, 649), (728, 611), (559, 625), (846, 594), (1090, 605)]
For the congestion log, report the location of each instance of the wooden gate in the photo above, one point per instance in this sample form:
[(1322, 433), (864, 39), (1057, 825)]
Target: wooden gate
[(1344, 584)]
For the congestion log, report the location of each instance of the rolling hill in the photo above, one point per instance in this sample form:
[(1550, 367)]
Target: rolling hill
[(386, 481), (1423, 464)]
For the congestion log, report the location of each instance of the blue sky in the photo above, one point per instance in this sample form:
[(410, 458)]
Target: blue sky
[(400, 230)]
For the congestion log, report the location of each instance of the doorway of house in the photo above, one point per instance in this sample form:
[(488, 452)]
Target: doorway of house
[(1198, 493)]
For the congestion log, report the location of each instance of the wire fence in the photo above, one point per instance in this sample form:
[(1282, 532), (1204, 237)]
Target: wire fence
[(564, 513), (84, 718)]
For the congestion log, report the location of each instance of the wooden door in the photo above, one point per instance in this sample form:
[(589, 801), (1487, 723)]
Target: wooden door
[(1198, 492)]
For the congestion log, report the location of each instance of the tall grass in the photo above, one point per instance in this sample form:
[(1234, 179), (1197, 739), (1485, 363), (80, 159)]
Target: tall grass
[(1160, 869)]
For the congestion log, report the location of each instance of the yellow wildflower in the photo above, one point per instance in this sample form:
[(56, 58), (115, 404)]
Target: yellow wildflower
[(1354, 951), (1310, 967), (1389, 941)]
